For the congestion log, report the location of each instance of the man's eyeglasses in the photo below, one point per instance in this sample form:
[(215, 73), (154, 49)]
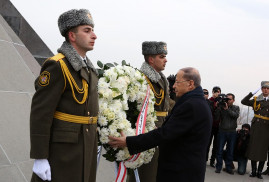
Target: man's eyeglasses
[(181, 81)]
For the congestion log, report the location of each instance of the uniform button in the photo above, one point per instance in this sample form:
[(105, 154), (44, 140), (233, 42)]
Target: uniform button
[(87, 129), (88, 113)]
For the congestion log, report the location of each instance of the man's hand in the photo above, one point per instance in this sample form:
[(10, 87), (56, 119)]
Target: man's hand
[(42, 169), (226, 106), (254, 92), (118, 142)]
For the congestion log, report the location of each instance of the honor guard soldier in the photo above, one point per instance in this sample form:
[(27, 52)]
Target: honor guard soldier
[(65, 107), (155, 61), (259, 135)]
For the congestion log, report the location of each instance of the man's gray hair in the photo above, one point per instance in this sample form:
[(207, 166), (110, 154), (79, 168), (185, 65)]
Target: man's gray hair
[(192, 74)]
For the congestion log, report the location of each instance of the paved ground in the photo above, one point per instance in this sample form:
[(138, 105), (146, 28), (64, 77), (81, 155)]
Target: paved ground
[(106, 174), (211, 176)]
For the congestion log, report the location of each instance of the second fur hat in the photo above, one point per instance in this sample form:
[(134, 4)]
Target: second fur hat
[(153, 48)]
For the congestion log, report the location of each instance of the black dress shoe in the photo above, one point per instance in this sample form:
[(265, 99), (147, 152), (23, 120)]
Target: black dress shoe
[(212, 164), (229, 171), (259, 175), (217, 171), (253, 174)]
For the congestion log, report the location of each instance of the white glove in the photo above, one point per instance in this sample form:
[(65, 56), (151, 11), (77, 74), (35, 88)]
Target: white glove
[(42, 169), (254, 92)]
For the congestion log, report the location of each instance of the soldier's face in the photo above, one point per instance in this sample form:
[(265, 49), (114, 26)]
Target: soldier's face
[(158, 62), (265, 91), (84, 38)]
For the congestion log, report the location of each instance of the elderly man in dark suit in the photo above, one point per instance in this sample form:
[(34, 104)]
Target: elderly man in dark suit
[(183, 137)]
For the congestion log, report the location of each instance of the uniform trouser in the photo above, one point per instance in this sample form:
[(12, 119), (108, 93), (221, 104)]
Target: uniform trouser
[(268, 158), (214, 138), (147, 172)]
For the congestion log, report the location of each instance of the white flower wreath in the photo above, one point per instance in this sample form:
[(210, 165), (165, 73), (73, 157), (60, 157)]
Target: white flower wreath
[(122, 91)]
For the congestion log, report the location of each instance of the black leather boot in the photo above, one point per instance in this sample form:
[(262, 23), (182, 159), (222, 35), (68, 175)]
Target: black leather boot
[(260, 167), (253, 169)]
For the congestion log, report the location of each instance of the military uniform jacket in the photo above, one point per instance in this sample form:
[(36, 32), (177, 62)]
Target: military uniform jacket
[(148, 172), (259, 133), (70, 148), (158, 81)]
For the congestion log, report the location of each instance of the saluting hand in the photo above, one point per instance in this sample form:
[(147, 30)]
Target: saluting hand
[(118, 142), (254, 92)]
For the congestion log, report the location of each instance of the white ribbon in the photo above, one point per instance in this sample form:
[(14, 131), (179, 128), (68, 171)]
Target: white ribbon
[(99, 151)]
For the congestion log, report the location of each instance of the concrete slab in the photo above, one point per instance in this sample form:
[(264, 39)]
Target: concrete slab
[(11, 174), (3, 34), (3, 157), (26, 169), (14, 73), (28, 59), (14, 125)]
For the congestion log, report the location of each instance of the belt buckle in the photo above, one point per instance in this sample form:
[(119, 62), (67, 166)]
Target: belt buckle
[(90, 120)]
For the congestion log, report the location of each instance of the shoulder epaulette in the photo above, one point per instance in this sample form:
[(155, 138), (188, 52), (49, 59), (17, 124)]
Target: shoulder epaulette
[(57, 57)]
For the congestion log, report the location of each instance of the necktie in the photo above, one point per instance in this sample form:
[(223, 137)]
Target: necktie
[(265, 99), (86, 64)]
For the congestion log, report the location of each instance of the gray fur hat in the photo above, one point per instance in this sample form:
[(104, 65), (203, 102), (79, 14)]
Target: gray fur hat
[(265, 84), (153, 48), (74, 18)]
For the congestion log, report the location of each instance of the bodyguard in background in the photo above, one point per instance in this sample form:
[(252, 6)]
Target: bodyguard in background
[(259, 135), (65, 107)]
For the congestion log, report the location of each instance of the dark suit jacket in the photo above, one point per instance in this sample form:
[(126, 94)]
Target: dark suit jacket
[(182, 140)]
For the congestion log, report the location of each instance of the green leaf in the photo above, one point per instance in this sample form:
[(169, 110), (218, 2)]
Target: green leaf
[(100, 73), (115, 89), (118, 97), (123, 63), (116, 64), (100, 64), (110, 65)]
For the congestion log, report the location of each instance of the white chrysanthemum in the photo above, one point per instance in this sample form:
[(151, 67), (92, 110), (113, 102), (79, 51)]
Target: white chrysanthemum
[(102, 121), (119, 85)]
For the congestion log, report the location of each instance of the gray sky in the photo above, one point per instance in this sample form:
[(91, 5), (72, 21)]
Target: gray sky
[(226, 40)]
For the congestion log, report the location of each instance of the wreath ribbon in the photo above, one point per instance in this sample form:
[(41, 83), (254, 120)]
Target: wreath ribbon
[(140, 129)]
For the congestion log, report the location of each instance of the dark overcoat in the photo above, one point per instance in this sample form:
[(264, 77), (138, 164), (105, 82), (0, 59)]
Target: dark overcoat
[(182, 140), (70, 148), (259, 133)]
